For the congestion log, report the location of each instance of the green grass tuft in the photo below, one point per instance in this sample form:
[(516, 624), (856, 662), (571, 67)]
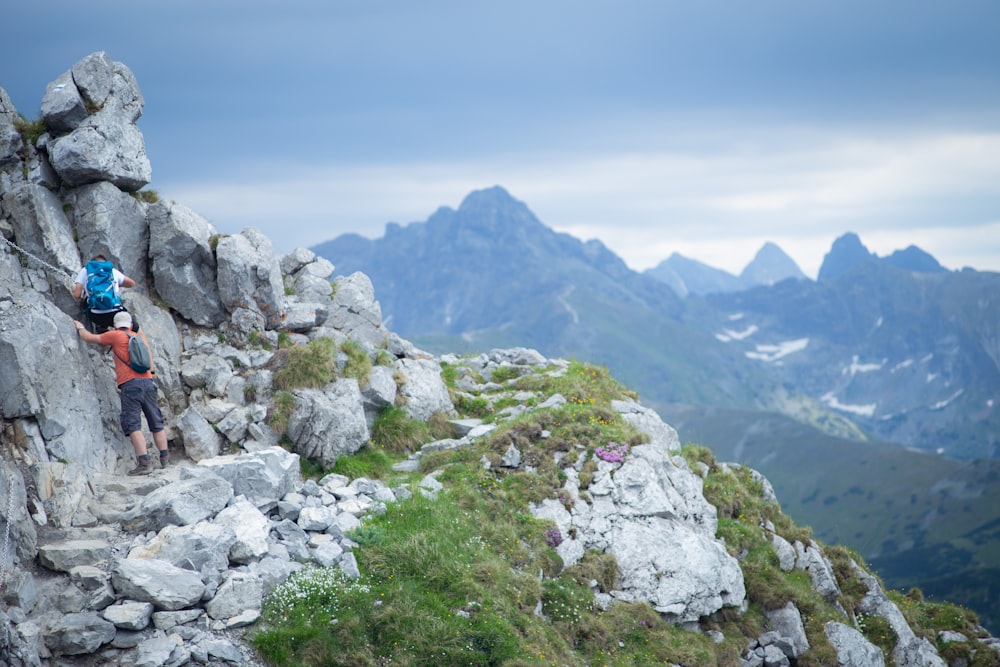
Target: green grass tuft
[(394, 431), (359, 364), (309, 366)]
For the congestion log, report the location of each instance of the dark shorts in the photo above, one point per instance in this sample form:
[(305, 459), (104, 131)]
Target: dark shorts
[(101, 322), (139, 396)]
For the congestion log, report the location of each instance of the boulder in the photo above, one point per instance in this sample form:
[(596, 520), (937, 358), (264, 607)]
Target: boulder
[(423, 391), (910, 650), (251, 528), (64, 556), (239, 592), (129, 615), (183, 263), (249, 276), (182, 503), (853, 650), (156, 581), (97, 104), (42, 228), (63, 108), (10, 139), (60, 410), (111, 223), (811, 559), (355, 312), (262, 477), (79, 633), (328, 423), (201, 441), (787, 623), (202, 547)]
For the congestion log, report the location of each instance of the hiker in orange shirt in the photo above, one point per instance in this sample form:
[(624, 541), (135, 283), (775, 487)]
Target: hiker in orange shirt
[(137, 391)]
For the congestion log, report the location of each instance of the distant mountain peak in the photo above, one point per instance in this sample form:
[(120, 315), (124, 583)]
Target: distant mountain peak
[(495, 211), (846, 252), (769, 266), (689, 276), (913, 258)]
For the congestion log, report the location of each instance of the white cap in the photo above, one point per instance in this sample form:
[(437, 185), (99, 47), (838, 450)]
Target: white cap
[(123, 320)]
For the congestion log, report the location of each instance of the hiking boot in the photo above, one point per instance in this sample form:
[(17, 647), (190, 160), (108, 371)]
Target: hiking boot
[(141, 469), (164, 459)]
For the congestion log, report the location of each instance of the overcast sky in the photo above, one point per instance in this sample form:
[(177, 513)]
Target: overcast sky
[(657, 126)]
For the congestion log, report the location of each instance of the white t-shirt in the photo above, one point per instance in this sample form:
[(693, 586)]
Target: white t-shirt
[(81, 279)]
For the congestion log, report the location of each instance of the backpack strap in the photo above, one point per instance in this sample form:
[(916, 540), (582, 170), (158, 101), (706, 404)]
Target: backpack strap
[(129, 334)]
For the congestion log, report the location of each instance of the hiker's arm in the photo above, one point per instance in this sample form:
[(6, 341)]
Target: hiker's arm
[(86, 335), (77, 290), (128, 282)]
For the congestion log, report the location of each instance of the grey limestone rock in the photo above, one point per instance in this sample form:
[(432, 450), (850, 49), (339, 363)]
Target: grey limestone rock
[(96, 104), (79, 633), (910, 650), (251, 528), (201, 547), (64, 556), (786, 552), (811, 559), (787, 622), (112, 223), (166, 586), (183, 263), (423, 391), (184, 502), (853, 650), (261, 476), (328, 423), (201, 441), (41, 226), (355, 312), (249, 276), (239, 592), (63, 108), (129, 615)]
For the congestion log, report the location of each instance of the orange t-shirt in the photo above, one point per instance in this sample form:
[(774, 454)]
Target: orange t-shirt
[(118, 340)]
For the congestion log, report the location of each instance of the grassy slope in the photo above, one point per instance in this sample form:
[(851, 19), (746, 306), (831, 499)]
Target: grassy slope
[(470, 577)]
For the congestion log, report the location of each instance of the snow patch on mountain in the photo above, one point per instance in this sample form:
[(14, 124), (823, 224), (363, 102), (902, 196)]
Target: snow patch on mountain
[(863, 410), (856, 367), (947, 401), (771, 353), (901, 365), (728, 335)]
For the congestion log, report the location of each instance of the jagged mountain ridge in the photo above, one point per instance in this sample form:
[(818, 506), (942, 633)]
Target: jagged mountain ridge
[(494, 242), (844, 352), (910, 356), (490, 274)]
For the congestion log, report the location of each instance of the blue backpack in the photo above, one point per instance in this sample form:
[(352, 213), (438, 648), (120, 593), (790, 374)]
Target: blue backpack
[(102, 289)]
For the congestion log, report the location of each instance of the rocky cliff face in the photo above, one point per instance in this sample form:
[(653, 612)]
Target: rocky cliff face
[(100, 568)]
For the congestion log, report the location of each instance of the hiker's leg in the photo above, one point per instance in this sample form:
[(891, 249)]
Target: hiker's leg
[(160, 440), (151, 408), (138, 443), (154, 418), (130, 419)]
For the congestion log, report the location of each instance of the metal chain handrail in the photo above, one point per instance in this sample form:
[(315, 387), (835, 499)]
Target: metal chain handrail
[(38, 259), (6, 536)]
